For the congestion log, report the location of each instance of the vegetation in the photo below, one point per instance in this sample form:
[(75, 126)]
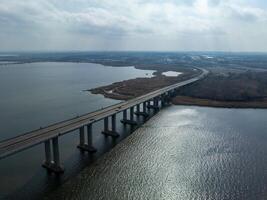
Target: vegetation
[(248, 86)]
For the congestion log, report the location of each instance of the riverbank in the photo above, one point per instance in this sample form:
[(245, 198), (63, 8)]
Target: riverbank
[(132, 88), (191, 101), (228, 90)]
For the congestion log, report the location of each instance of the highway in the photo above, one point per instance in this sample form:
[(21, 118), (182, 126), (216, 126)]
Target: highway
[(27, 140)]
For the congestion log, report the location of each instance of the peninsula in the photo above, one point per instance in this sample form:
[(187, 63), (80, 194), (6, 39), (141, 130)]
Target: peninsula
[(238, 89)]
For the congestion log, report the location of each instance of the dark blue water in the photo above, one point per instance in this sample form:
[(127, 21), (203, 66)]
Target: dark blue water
[(183, 153), (38, 94)]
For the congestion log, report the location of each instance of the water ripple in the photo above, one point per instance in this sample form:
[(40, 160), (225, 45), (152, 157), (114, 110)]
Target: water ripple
[(182, 153)]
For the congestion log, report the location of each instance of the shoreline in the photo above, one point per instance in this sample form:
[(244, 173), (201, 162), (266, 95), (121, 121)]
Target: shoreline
[(192, 101), (132, 88)]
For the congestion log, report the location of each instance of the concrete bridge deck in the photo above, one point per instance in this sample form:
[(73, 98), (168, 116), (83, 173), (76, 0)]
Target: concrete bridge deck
[(27, 140)]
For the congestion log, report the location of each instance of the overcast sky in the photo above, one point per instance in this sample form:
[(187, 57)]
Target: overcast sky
[(157, 25)]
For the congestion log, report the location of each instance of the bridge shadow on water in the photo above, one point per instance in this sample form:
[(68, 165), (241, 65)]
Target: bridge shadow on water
[(40, 181)]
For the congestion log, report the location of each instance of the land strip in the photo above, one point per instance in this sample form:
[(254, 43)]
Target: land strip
[(128, 89), (246, 89)]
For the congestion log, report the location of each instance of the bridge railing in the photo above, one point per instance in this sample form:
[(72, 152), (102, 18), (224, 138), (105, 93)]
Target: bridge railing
[(83, 123)]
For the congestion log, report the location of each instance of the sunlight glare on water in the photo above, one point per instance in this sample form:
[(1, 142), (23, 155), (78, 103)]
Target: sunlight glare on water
[(182, 153)]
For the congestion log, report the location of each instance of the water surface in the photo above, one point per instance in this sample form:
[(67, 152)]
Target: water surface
[(38, 94), (182, 153), (171, 73)]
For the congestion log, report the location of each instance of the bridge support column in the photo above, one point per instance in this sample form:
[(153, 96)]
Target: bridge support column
[(148, 103), (89, 146), (141, 113), (49, 164), (112, 132), (155, 104), (56, 152), (131, 120), (48, 158), (168, 97), (132, 113), (169, 93), (90, 138), (138, 108), (162, 100), (144, 107), (113, 123), (125, 115), (172, 93), (82, 136), (106, 124)]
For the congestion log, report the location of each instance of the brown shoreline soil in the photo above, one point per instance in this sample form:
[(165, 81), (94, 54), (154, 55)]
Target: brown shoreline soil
[(132, 88), (230, 90), (191, 101)]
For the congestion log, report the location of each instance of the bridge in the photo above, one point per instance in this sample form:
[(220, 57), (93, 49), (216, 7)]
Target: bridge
[(50, 134)]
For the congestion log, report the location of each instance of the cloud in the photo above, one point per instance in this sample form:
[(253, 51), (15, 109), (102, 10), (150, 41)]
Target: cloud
[(103, 20), (247, 14)]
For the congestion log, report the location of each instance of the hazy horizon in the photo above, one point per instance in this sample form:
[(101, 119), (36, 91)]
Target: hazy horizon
[(130, 51), (133, 25)]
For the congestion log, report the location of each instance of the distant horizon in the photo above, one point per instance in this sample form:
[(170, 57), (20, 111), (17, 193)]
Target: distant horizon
[(133, 51)]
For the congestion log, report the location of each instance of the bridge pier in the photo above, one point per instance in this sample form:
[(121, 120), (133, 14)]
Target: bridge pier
[(144, 107), (148, 103), (163, 100), (56, 152), (125, 115), (48, 158), (138, 108), (50, 138), (141, 113), (49, 164), (132, 113), (155, 104), (112, 132), (168, 97), (172, 93), (131, 120), (89, 146)]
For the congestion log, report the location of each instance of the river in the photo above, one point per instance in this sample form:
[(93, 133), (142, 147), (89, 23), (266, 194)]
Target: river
[(182, 153), (37, 94)]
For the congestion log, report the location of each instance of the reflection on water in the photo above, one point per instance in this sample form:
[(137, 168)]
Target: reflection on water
[(182, 153), (38, 94)]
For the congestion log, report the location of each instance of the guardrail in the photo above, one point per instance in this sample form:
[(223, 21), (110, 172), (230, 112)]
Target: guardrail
[(84, 124)]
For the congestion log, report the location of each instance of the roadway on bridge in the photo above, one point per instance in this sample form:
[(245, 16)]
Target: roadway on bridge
[(27, 140)]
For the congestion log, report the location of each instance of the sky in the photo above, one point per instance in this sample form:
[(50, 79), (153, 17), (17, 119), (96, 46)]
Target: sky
[(135, 25)]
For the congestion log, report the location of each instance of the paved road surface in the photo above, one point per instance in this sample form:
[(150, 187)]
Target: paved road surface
[(24, 141)]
